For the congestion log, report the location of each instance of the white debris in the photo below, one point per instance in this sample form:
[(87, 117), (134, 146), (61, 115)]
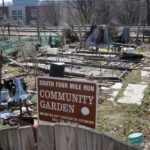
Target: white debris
[(114, 91), (145, 73), (117, 86), (17, 112), (48, 50), (133, 94), (5, 115)]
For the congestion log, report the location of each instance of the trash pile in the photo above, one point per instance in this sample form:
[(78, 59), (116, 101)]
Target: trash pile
[(15, 103)]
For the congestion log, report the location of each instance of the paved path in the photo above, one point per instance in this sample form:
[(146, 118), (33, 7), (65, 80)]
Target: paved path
[(133, 94)]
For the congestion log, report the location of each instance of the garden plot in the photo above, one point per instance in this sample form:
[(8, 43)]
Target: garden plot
[(127, 65), (62, 59), (89, 61), (82, 71)]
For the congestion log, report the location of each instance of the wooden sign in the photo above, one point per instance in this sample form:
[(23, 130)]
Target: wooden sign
[(67, 100)]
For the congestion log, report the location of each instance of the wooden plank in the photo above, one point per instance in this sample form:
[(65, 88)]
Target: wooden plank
[(9, 139), (89, 139), (105, 142), (17, 139), (4, 139), (85, 139), (16, 63), (46, 139), (59, 137), (14, 139), (65, 137), (122, 146), (26, 138)]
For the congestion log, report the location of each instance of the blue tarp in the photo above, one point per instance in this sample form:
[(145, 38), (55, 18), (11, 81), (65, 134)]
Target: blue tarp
[(92, 38), (125, 36), (20, 93), (4, 93), (100, 35)]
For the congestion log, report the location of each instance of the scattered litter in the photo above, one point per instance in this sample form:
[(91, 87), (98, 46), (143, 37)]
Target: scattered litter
[(17, 112), (5, 115), (48, 50), (136, 138)]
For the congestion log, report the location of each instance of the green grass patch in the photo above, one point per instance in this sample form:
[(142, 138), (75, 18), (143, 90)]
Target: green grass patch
[(133, 77), (101, 62), (119, 120), (135, 111), (147, 94), (122, 119)]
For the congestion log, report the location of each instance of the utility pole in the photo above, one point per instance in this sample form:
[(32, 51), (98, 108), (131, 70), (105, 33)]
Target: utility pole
[(3, 15), (148, 11), (1, 57), (38, 27)]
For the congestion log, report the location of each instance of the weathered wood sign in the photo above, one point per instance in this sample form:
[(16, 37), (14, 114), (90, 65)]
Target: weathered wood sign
[(67, 100)]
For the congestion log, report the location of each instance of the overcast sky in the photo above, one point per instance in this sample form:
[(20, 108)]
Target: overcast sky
[(10, 1), (5, 1)]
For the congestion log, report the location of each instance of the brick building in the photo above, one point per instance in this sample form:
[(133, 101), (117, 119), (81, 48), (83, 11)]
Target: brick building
[(29, 11), (20, 10), (4, 12)]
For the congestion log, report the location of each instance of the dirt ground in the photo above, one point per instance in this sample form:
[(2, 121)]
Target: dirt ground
[(119, 120)]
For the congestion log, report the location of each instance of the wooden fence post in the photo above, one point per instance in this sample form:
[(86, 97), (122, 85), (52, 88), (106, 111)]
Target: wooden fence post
[(85, 139), (45, 137), (65, 137), (26, 138), (17, 138), (9, 139)]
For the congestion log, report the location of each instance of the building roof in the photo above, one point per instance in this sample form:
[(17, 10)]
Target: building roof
[(25, 2), (20, 2)]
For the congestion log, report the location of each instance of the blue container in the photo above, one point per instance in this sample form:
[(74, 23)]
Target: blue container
[(4, 93), (136, 138)]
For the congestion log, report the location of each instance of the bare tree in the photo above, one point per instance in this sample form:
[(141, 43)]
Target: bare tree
[(84, 8), (129, 11), (105, 11), (49, 12)]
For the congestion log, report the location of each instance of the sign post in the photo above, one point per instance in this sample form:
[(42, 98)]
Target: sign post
[(67, 100)]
